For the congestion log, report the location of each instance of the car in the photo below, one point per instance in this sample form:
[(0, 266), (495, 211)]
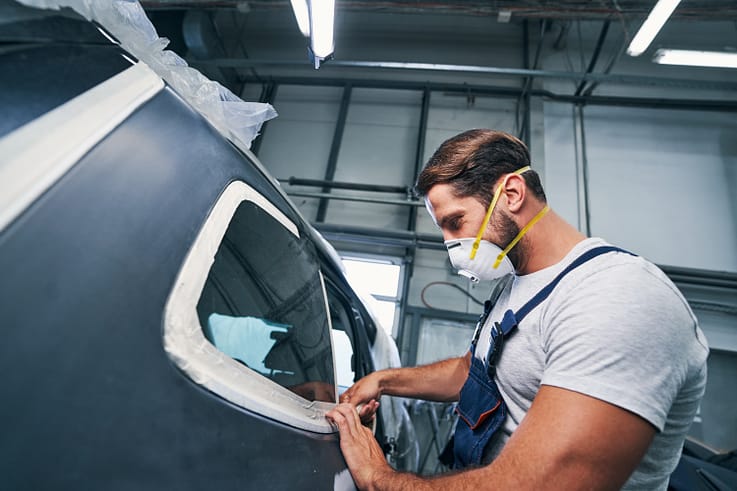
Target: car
[(169, 319)]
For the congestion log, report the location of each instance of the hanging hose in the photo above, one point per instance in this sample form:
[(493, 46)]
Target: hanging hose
[(447, 283)]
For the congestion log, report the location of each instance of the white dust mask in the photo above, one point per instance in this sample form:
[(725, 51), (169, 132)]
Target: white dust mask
[(484, 265)]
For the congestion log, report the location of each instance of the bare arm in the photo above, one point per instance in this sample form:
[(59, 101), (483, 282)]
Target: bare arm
[(440, 381), (567, 441)]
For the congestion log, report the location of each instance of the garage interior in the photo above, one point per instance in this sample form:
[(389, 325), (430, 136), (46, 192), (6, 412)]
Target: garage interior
[(639, 153)]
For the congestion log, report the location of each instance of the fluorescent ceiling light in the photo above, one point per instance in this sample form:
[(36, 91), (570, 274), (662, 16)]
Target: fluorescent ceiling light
[(322, 16), (714, 59), (315, 19), (303, 16), (652, 25)]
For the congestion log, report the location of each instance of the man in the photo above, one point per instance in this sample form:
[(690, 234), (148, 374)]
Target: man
[(586, 374)]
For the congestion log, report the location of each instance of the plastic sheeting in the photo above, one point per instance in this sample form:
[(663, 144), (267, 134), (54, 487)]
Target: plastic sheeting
[(127, 22)]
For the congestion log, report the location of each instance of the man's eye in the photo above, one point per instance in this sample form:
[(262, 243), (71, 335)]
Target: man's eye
[(454, 224)]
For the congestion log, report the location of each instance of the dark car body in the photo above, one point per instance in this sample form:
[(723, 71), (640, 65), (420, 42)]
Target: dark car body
[(94, 245)]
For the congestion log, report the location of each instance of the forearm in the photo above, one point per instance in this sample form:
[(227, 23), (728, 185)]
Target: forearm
[(440, 381), (391, 480)]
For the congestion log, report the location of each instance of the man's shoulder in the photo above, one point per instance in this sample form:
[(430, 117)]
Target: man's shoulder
[(620, 269)]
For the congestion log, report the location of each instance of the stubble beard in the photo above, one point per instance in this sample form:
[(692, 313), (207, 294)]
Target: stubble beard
[(507, 230)]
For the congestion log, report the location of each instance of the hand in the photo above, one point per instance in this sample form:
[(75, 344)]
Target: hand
[(364, 396), (361, 451)]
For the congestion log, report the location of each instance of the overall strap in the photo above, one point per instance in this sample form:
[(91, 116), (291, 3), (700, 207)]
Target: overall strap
[(488, 305), (511, 319)]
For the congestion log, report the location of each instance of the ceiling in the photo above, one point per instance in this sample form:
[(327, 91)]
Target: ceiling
[(530, 9), (473, 42)]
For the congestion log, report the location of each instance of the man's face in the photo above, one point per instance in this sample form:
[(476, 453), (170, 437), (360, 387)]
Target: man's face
[(460, 218), (456, 217)]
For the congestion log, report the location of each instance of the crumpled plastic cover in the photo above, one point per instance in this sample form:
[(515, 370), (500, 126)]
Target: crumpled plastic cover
[(126, 20)]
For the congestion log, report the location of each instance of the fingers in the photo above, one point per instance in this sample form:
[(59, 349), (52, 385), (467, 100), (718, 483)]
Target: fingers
[(366, 412), (362, 391), (345, 416), (363, 454)]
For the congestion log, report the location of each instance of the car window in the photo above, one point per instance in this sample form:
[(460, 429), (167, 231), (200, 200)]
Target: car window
[(248, 319), (263, 304), (344, 341), (350, 338)]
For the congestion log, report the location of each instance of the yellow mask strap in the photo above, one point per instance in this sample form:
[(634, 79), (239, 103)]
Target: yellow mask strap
[(497, 194), (521, 234)]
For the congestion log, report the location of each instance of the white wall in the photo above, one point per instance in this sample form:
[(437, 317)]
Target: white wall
[(661, 182)]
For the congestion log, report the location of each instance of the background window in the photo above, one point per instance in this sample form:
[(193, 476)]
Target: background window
[(378, 281), (263, 304)]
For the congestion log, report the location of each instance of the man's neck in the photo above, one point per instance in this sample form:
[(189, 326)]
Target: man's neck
[(547, 243)]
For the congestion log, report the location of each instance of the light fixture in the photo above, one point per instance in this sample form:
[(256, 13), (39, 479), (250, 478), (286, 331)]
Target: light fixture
[(315, 19), (715, 59), (652, 25), (302, 13)]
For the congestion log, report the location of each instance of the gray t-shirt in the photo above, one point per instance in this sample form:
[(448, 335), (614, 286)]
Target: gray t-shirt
[(617, 329)]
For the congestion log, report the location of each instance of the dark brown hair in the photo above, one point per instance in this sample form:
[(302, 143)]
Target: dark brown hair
[(474, 160)]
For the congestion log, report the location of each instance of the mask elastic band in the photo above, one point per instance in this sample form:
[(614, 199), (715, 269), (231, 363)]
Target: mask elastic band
[(497, 194), (521, 233)]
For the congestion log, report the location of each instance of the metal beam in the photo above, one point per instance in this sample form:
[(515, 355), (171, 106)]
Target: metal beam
[(268, 95), (379, 188), (523, 103), (391, 238), (530, 9), (486, 70), (514, 92), (582, 179), (420, 150), (342, 197), (335, 149), (594, 56)]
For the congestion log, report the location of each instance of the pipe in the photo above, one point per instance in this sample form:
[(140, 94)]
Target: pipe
[(595, 55), (268, 95), (396, 238), (486, 70), (379, 188), (510, 92), (329, 196)]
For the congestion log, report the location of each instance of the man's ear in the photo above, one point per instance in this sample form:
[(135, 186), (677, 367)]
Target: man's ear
[(515, 190)]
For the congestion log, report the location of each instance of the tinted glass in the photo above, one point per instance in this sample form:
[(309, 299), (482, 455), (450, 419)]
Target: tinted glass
[(343, 339), (263, 305)]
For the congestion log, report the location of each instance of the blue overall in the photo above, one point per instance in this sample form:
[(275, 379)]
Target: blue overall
[(481, 408)]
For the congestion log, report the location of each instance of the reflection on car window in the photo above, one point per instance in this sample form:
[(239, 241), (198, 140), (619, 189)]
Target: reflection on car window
[(343, 341), (263, 304)]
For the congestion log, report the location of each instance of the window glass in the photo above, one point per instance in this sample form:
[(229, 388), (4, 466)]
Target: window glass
[(344, 340), (379, 278), (378, 281), (441, 339), (263, 304), (343, 360)]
